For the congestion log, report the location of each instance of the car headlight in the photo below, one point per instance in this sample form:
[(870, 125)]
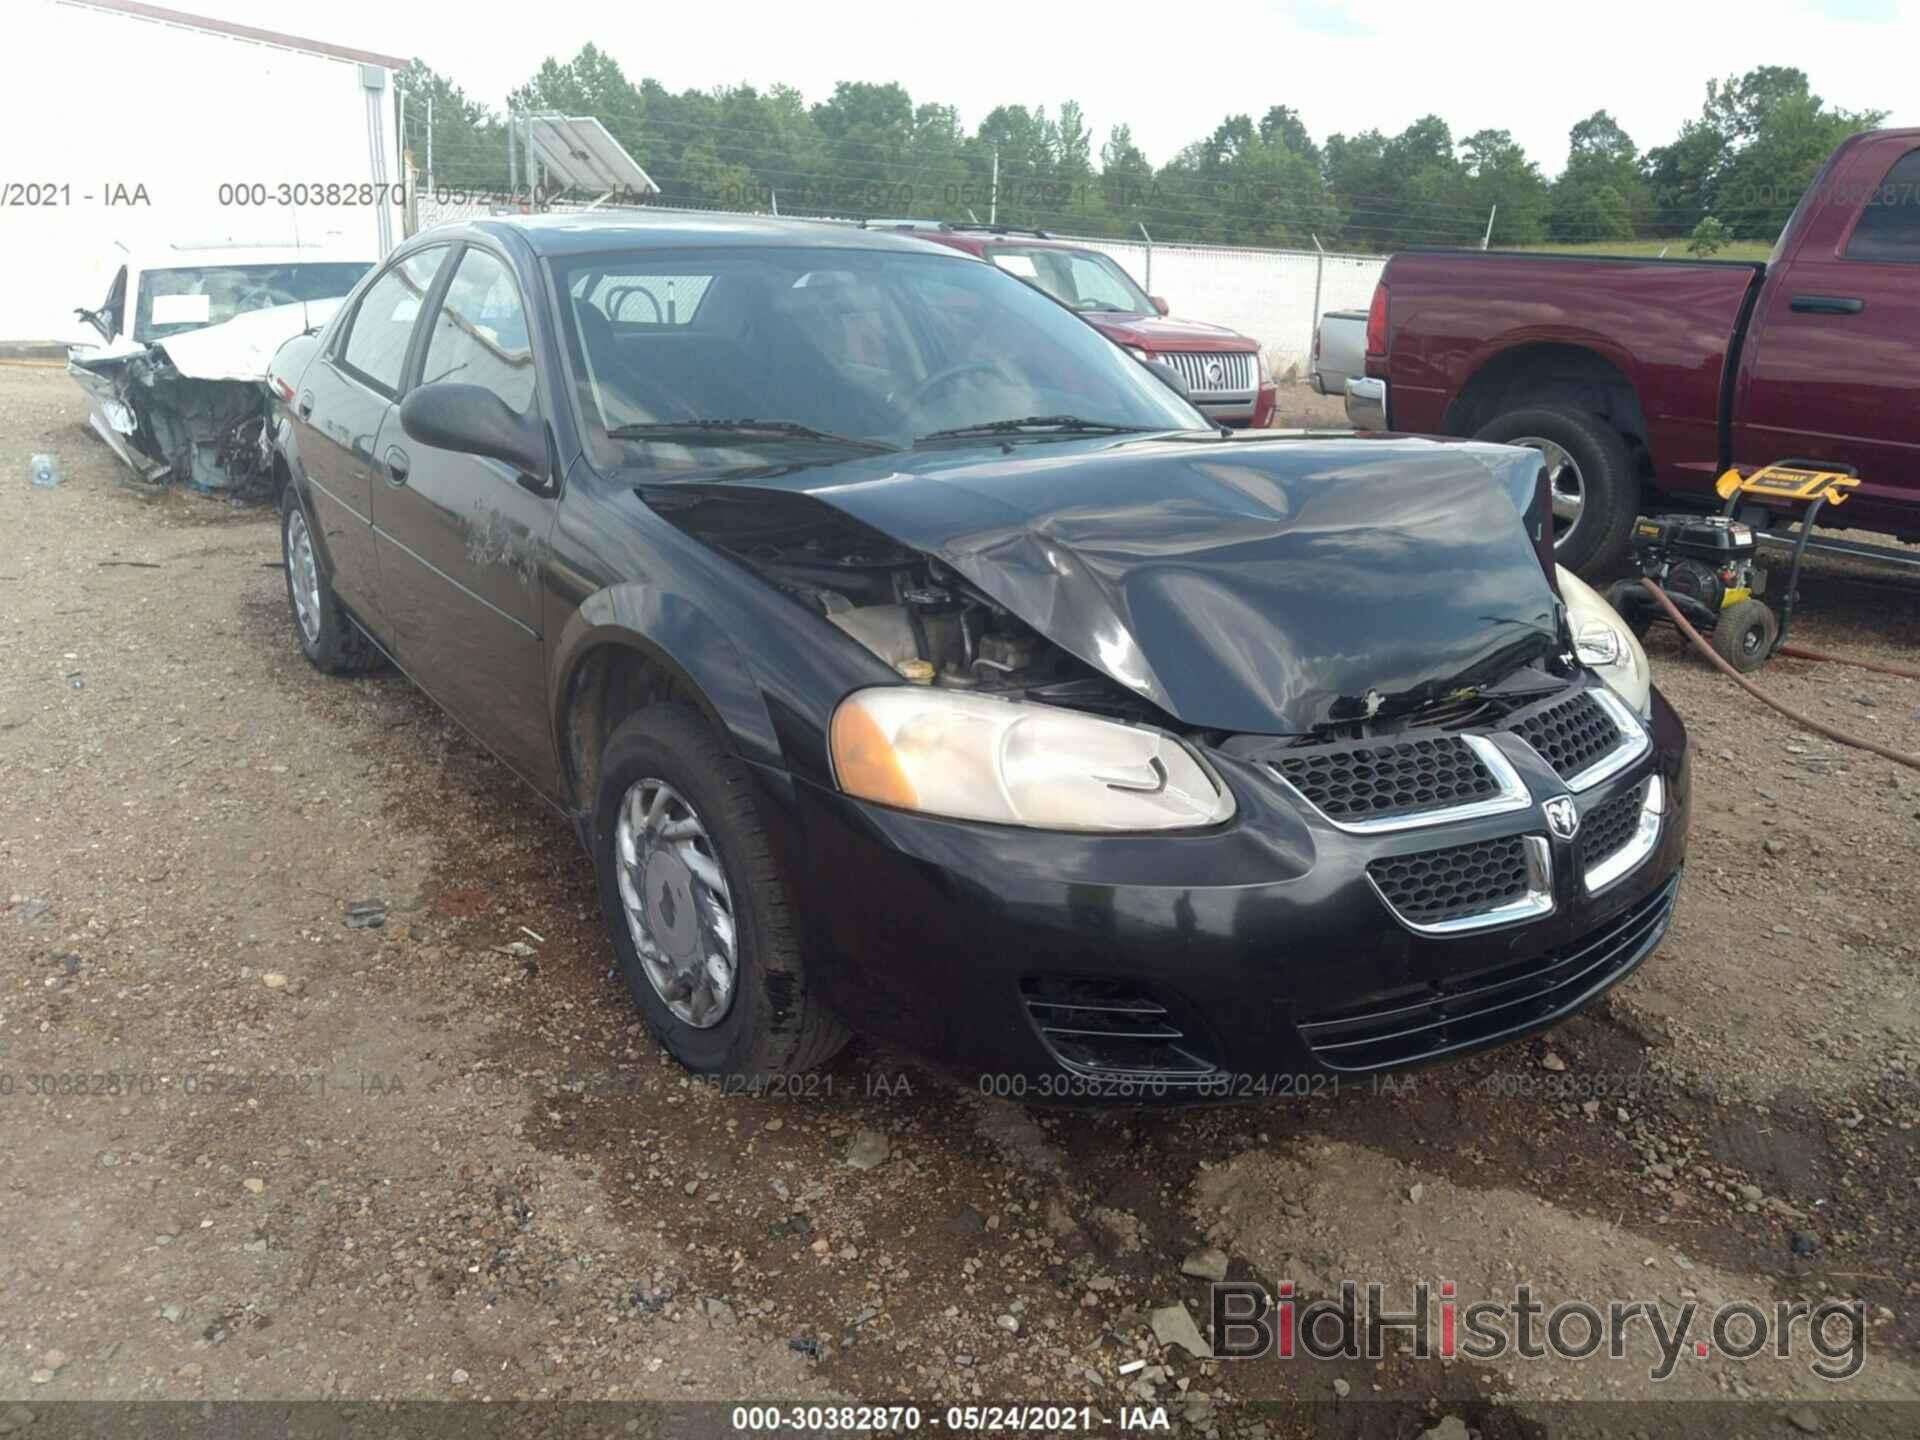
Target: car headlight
[(1142, 356), (1605, 643), (1260, 364), (972, 757)]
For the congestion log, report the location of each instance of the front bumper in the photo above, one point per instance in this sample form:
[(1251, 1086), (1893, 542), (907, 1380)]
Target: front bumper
[(1264, 943), (1248, 410)]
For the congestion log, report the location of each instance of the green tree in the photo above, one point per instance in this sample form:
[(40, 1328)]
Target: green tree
[(1708, 237), (1502, 182), (1600, 195), (469, 145)]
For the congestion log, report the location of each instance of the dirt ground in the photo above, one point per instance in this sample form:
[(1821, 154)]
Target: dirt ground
[(250, 1151)]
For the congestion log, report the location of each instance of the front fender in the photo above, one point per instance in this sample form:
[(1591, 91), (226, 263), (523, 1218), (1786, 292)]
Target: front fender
[(670, 631)]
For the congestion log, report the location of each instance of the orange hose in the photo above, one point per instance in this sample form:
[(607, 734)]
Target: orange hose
[(1899, 757)]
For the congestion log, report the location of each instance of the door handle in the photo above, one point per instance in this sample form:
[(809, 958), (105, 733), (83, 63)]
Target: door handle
[(1826, 305), (305, 407), (397, 465)]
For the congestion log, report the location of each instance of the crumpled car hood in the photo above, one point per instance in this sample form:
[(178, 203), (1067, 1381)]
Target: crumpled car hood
[(1261, 586)]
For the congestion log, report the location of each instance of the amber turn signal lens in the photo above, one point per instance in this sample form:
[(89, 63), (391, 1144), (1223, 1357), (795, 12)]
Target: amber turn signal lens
[(864, 762)]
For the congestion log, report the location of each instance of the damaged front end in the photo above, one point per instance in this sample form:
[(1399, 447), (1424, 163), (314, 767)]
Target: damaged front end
[(193, 409), (167, 427), (922, 617)]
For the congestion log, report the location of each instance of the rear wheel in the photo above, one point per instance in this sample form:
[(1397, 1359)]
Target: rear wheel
[(1594, 485), (327, 635), (1744, 634), (696, 906)]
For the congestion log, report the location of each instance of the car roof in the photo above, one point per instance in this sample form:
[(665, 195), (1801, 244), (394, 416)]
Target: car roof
[(587, 233), (194, 257)]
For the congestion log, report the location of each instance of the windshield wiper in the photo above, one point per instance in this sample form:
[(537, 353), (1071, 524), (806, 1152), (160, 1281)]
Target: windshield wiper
[(1038, 424), (745, 429)]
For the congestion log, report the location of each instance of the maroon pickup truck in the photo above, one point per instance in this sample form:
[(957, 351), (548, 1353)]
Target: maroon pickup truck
[(1630, 375)]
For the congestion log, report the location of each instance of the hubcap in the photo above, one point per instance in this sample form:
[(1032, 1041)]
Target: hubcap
[(303, 577), (678, 908), (1564, 483)]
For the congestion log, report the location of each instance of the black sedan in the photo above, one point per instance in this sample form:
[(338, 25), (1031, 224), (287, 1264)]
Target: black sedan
[(910, 658)]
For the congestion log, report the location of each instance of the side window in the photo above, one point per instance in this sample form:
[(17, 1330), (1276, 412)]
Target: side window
[(376, 345), (480, 335), (1889, 227)]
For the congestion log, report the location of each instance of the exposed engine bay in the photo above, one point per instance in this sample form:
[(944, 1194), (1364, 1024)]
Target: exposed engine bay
[(920, 616)]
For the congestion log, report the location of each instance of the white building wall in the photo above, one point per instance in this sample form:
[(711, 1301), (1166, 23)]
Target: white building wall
[(95, 100)]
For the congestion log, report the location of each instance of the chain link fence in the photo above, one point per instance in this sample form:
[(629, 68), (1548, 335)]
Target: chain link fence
[(1275, 296)]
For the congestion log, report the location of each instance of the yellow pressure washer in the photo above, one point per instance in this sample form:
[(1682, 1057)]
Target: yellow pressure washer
[(1709, 567)]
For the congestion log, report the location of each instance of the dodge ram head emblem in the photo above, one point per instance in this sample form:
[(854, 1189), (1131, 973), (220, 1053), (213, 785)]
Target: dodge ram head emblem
[(1562, 818), (1215, 372)]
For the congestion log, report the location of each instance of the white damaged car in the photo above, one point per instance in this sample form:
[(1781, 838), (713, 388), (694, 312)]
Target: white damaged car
[(176, 386)]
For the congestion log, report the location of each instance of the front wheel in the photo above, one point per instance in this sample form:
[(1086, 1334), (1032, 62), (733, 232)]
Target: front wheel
[(1743, 636), (695, 904), (1591, 476)]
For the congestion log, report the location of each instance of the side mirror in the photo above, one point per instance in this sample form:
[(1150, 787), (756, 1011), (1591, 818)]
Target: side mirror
[(472, 420), (1171, 378), (1159, 304)]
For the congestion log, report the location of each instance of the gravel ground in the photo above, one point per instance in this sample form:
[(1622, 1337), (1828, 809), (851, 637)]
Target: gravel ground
[(250, 1150)]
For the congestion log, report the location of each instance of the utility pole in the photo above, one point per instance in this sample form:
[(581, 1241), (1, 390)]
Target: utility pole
[(1149, 239), (993, 198), (429, 142), (513, 157), (1487, 239)]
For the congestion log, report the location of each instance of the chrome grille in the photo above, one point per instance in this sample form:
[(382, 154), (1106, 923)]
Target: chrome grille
[(1213, 372), (1570, 735), (1439, 885)]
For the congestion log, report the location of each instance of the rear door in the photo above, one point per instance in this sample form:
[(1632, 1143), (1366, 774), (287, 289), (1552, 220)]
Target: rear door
[(1832, 368), (338, 411), (462, 542)]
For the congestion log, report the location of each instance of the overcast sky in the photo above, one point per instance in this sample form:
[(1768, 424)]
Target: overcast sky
[(1173, 71)]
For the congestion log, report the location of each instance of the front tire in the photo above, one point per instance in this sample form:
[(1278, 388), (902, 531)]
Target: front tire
[(698, 912), (327, 635), (1596, 489), (1744, 634)]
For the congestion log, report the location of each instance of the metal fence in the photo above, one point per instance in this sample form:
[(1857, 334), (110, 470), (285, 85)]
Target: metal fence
[(1275, 296)]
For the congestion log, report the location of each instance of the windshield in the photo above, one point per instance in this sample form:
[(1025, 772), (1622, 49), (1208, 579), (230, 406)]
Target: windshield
[(189, 297), (875, 346), (1080, 279)]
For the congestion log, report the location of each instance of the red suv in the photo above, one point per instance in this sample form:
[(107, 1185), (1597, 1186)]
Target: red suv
[(1225, 372)]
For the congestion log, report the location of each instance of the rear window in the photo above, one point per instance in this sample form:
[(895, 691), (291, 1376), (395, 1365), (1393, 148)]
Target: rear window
[(187, 297), (643, 298), (1889, 227)]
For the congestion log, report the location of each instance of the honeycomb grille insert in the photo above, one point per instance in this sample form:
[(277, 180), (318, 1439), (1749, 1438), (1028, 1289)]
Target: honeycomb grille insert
[(1405, 777), (1451, 884), (1609, 827), (1572, 735)]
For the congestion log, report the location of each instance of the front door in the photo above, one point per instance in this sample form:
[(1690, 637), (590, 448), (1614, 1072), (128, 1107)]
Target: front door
[(462, 541), (1834, 373)]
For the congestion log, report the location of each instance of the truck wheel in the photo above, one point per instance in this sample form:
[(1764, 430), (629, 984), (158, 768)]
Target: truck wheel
[(1743, 636), (1595, 487), (696, 907), (327, 635)]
